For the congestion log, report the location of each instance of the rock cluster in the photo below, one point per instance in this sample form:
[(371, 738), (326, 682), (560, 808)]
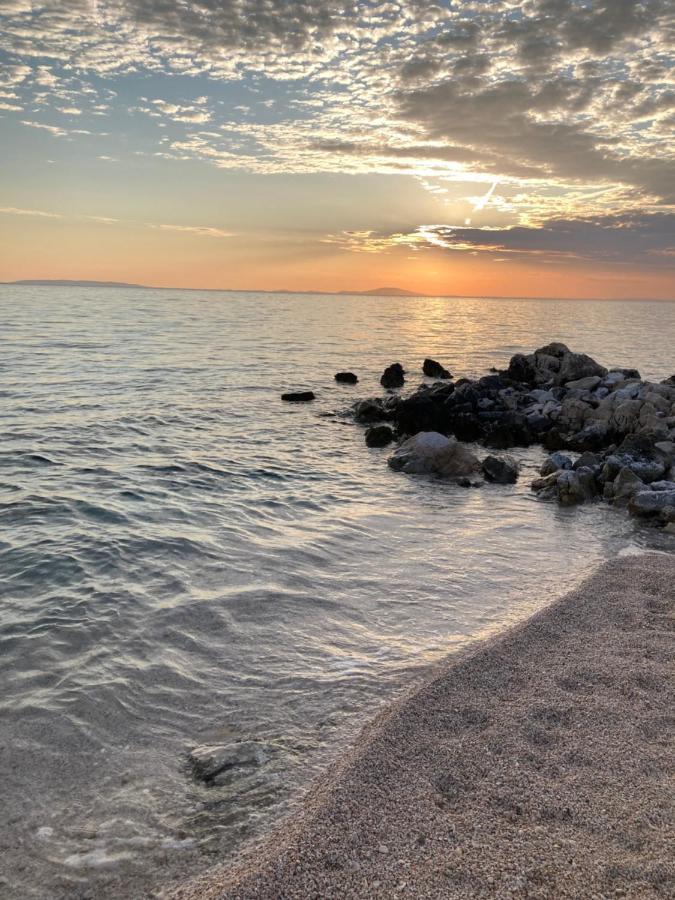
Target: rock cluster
[(623, 426)]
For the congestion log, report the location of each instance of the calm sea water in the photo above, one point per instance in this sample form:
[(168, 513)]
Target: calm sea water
[(185, 559)]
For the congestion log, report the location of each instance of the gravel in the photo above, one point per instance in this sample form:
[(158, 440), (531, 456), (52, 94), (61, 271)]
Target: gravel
[(536, 765)]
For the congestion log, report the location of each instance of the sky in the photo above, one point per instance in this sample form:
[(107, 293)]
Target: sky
[(486, 147)]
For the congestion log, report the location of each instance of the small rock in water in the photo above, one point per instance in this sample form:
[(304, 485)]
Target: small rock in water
[(379, 436), (500, 470), (433, 369), (209, 761), (298, 396), (346, 378), (392, 377)]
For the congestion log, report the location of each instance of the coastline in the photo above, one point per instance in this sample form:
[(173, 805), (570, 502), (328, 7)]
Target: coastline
[(533, 765)]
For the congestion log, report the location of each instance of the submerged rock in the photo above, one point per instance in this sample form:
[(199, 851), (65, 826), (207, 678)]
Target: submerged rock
[(211, 760), (392, 377), (433, 453), (379, 436), (346, 378), (433, 369), (298, 396), (500, 469)]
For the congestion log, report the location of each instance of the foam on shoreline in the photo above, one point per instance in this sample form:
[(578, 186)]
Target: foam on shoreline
[(534, 765)]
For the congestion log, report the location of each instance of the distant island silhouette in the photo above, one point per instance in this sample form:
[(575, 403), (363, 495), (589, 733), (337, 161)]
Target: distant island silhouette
[(67, 282)]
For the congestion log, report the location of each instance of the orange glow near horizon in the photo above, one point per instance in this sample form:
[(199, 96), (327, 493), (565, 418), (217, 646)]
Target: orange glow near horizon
[(184, 260)]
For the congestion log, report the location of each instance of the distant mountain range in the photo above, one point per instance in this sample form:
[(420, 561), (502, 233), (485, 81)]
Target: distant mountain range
[(65, 282)]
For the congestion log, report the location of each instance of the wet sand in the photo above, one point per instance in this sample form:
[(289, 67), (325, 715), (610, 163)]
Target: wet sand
[(536, 765)]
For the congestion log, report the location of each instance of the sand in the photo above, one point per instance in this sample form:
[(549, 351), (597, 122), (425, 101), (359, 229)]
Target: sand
[(538, 764)]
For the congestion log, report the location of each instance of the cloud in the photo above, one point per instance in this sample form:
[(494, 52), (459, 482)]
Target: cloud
[(566, 103), (200, 230), (13, 211), (619, 239), (646, 239)]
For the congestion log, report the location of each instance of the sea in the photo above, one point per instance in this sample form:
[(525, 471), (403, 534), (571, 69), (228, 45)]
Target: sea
[(186, 560)]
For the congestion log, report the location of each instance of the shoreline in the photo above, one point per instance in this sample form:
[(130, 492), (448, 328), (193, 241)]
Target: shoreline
[(535, 764)]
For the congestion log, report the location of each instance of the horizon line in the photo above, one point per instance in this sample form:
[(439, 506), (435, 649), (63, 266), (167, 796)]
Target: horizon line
[(398, 293)]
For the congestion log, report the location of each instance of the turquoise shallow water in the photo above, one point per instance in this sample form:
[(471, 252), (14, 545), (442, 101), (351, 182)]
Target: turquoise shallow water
[(186, 559)]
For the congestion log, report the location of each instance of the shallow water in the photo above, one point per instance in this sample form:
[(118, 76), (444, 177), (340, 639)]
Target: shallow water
[(186, 559)]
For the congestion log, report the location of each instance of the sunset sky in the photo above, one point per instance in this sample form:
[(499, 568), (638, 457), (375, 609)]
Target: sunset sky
[(503, 148)]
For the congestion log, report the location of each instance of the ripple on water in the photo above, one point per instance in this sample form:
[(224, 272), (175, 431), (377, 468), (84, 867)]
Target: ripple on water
[(186, 560)]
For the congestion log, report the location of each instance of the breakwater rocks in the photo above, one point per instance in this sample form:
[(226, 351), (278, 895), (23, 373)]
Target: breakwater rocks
[(611, 434)]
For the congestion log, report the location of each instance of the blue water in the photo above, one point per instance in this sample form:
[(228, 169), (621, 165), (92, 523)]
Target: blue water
[(185, 559)]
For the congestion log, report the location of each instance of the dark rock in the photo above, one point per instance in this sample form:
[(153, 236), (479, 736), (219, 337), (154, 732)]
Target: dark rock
[(512, 430), (346, 378), (466, 427), (379, 436), (627, 373), (421, 412), (392, 377), (588, 460), (546, 487), (500, 470), (554, 463), (521, 368), (490, 383), (371, 410), (575, 487), (433, 369), (652, 503), (592, 437), (625, 485), (298, 396)]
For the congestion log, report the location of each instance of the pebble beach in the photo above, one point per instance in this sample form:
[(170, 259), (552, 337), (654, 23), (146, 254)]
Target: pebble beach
[(534, 765)]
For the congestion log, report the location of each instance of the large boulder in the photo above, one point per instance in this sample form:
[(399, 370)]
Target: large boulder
[(346, 377), (434, 453), (500, 469), (392, 377), (574, 366), (433, 369), (553, 364)]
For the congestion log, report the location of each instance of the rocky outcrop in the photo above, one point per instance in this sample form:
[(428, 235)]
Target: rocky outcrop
[(433, 369), (610, 434)]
